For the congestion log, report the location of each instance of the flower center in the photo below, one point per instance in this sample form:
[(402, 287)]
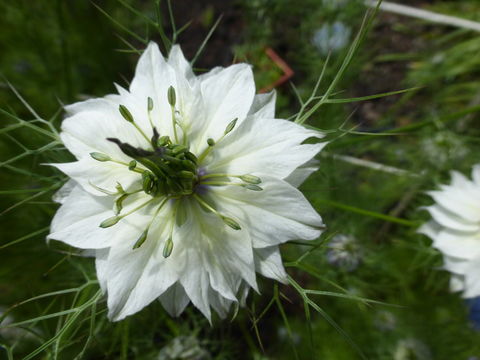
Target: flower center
[(172, 168), (170, 171)]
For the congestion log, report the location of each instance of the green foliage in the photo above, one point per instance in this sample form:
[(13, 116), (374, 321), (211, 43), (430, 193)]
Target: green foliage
[(384, 153)]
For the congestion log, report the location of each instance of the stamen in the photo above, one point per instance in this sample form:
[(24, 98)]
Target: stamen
[(100, 156), (105, 191), (251, 179), (228, 221), (115, 219), (230, 126), (211, 143), (228, 183), (141, 240), (168, 247), (172, 99), (127, 115), (118, 206), (149, 111), (144, 235), (103, 158)]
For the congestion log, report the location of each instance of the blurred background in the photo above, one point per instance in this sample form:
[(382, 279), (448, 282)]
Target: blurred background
[(384, 155)]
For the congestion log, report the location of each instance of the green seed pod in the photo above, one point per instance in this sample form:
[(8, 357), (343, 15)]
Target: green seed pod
[(141, 240), (251, 179), (110, 222), (230, 222), (127, 115), (100, 156), (168, 247)]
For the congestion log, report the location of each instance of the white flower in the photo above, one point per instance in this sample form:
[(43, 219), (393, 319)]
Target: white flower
[(344, 252), (183, 186), (455, 230), (331, 37), (411, 349)]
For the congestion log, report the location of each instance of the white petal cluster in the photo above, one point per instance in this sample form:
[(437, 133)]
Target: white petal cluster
[(455, 230), (194, 251)]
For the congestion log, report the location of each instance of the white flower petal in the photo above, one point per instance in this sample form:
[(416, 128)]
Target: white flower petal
[(137, 277), (462, 202), (430, 229), (476, 174), (227, 95), (220, 304), (196, 283), (273, 216), (472, 279), (451, 220), (299, 175), (268, 262), (227, 254), (91, 123), (457, 283), (458, 244), (62, 194), (174, 300), (177, 61), (153, 77), (77, 221), (264, 105), (455, 265), (90, 173), (101, 262), (264, 146)]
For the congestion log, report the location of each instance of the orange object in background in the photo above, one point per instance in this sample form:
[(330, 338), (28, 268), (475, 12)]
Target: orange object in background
[(287, 70)]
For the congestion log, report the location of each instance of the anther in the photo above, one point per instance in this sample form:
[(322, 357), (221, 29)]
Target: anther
[(126, 114), (232, 223), (251, 179), (230, 126), (110, 222), (168, 247), (141, 240), (252, 187), (100, 156), (172, 97), (210, 142)]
